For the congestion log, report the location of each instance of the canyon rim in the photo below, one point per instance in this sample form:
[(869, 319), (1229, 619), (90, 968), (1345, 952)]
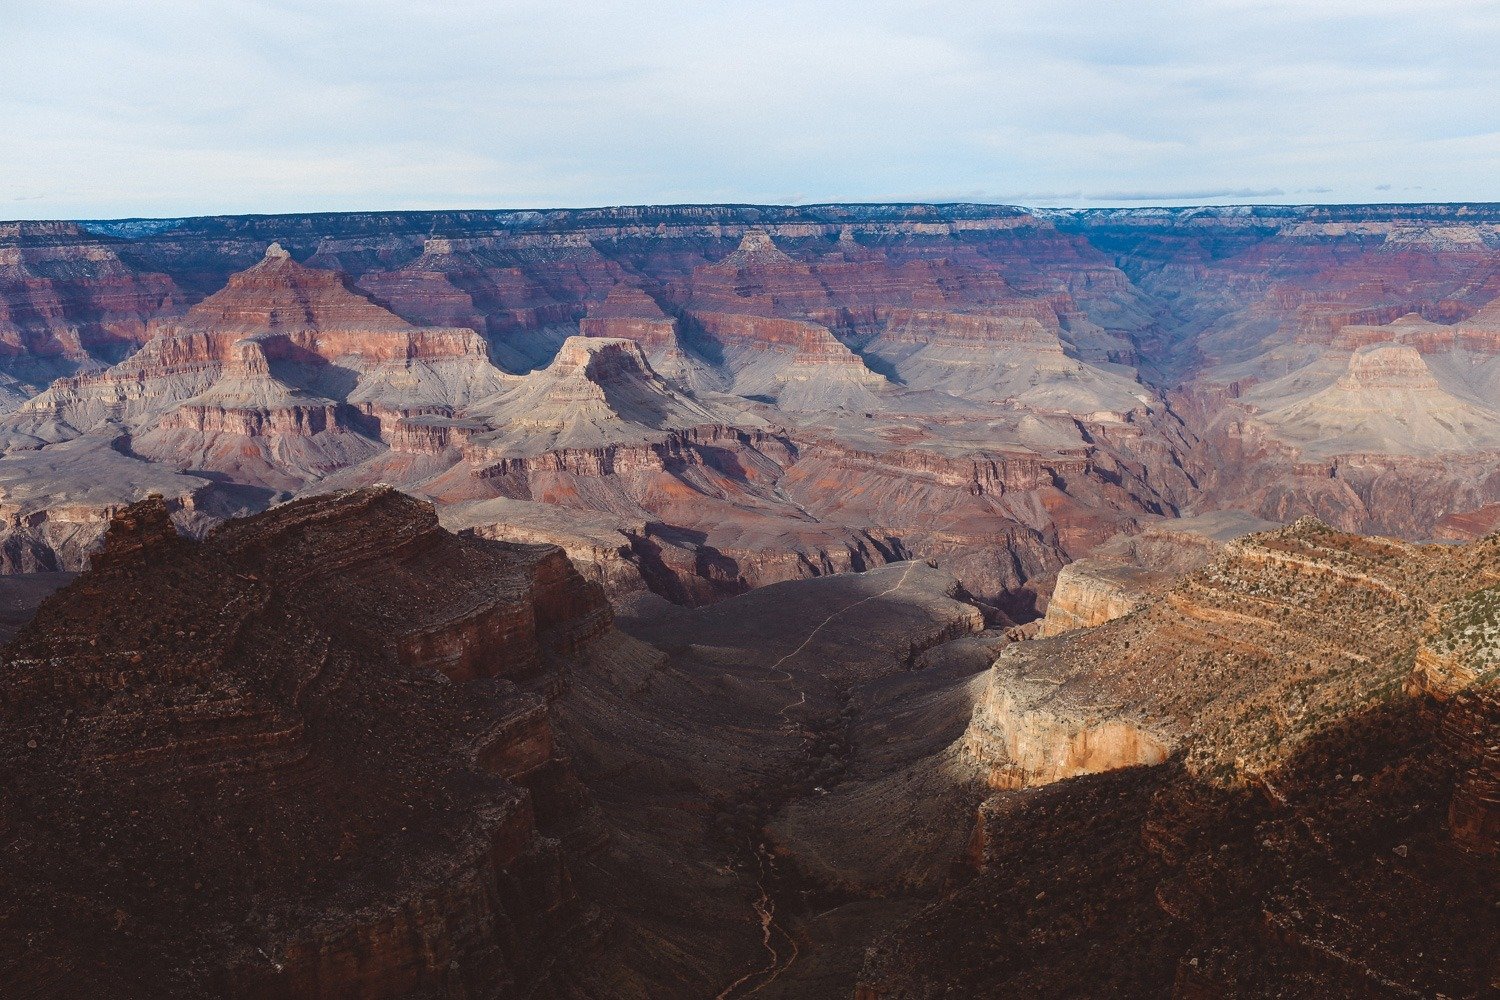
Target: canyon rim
[(898, 590)]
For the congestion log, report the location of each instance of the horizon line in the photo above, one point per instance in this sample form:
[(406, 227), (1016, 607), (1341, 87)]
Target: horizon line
[(935, 203)]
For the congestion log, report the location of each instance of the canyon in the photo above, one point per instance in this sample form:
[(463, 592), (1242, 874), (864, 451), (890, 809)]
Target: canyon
[(334, 749), (877, 601), (701, 400)]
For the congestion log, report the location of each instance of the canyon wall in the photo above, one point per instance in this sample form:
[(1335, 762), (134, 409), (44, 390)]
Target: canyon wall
[(303, 743), (1276, 780), (803, 381)]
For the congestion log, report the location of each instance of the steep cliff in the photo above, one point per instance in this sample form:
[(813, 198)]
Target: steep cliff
[(67, 301), (1338, 361), (1277, 781), (290, 760)]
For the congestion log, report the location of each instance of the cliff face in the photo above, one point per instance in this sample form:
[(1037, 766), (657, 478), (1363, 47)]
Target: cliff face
[(1136, 568), (1279, 780), (1091, 593), (1236, 663), (289, 761), (68, 300), (1336, 361)]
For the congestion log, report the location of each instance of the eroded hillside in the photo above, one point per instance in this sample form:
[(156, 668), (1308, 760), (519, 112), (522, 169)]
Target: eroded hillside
[(814, 389)]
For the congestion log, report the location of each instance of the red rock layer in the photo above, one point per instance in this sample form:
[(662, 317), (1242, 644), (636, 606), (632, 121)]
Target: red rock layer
[(630, 313), (66, 294), (807, 342), (315, 313), (284, 762)]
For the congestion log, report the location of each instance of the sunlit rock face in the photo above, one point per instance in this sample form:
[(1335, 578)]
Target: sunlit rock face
[(814, 389), (1275, 779), (1090, 593)]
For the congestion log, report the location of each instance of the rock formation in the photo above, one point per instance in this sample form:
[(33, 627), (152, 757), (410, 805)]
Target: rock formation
[(67, 301), (691, 443), (383, 740), (1338, 361), (277, 380), (631, 313), (58, 502), (1090, 593), (1245, 789), (1276, 777), (1137, 567), (292, 759)]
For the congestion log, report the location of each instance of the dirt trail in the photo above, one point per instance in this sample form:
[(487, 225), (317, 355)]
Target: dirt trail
[(779, 960)]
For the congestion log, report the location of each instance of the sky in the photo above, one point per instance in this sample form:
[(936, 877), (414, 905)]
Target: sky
[(141, 108)]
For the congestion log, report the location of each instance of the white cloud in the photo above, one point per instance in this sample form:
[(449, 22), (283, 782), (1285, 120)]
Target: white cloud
[(152, 107)]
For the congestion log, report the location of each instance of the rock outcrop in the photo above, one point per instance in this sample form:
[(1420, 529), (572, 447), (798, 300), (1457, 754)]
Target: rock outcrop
[(280, 378), (67, 301), (1246, 789), (290, 760), (630, 313), (1090, 593), (57, 503), (1333, 361), (1236, 664), (1136, 568)]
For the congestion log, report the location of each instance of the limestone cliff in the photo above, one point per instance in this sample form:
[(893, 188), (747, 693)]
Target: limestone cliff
[(1090, 593), (1279, 780)]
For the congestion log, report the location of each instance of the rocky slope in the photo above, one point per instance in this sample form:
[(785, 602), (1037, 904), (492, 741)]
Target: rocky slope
[(719, 719), (292, 759), (1329, 360), (1276, 779), (1263, 784), (1136, 568)]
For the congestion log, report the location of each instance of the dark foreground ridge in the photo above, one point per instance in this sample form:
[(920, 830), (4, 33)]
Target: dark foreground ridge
[(1349, 873), (291, 760), (334, 750)]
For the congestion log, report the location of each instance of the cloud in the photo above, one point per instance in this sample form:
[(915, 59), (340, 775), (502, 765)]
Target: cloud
[(1199, 194), (159, 108)]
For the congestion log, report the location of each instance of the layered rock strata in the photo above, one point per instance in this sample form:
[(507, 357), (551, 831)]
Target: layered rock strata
[(1250, 788), (289, 760), (1336, 361)]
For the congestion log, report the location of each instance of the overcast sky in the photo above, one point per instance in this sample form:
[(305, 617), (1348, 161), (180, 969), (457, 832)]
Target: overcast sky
[(141, 108)]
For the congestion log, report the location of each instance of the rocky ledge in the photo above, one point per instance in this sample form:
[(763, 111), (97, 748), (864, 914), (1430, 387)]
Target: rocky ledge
[(289, 761)]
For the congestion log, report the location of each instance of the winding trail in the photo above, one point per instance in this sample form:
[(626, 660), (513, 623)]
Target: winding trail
[(786, 675), (765, 905)]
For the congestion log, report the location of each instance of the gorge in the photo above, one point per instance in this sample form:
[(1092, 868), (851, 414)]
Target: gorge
[(870, 601)]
